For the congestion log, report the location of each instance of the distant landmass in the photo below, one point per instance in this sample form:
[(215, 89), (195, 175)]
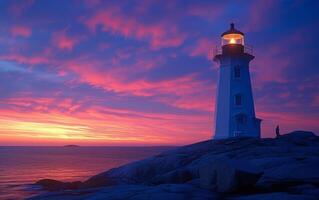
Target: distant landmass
[(71, 145), (239, 168)]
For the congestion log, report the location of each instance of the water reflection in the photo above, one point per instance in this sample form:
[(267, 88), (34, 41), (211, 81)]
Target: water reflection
[(21, 166)]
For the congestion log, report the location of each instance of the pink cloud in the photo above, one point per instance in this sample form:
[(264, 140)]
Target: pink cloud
[(202, 101), (32, 60), (61, 40), (20, 30), (160, 34), (203, 47), (41, 104), (115, 80)]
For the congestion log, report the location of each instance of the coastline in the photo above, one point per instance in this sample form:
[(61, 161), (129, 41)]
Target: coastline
[(235, 168)]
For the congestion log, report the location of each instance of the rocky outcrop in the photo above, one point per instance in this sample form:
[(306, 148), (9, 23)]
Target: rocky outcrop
[(228, 175), (135, 192), (237, 168), (274, 196), (54, 185)]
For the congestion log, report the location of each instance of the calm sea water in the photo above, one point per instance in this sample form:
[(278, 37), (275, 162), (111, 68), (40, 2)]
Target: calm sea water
[(22, 166)]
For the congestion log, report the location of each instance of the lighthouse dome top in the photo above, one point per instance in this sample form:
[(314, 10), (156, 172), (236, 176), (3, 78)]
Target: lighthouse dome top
[(232, 36), (232, 30)]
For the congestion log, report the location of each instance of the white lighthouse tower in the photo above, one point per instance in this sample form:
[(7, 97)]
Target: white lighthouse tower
[(235, 112)]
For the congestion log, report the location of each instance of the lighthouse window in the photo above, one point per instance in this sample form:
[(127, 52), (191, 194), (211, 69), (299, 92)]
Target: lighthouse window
[(237, 72), (238, 100)]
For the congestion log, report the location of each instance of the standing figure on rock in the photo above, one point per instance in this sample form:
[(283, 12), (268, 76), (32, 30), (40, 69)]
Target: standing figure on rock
[(277, 131)]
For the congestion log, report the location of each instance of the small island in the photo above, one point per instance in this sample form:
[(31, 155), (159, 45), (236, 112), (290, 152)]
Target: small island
[(71, 145)]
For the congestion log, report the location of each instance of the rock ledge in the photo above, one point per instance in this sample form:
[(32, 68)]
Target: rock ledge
[(237, 169)]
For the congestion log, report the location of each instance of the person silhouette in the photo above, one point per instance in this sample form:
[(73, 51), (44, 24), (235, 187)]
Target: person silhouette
[(277, 131)]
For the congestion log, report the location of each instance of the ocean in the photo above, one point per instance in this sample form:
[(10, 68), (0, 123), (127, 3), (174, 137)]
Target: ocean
[(20, 167)]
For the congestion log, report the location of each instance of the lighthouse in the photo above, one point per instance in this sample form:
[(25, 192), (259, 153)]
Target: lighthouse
[(235, 112)]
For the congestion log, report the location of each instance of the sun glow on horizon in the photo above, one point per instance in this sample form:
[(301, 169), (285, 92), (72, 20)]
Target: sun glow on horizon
[(91, 128), (44, 129)]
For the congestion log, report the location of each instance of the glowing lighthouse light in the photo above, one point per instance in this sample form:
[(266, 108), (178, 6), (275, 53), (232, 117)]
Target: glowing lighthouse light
[(232, 41)]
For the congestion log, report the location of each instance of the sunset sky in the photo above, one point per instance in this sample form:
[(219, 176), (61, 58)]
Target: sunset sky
[(140, 72)]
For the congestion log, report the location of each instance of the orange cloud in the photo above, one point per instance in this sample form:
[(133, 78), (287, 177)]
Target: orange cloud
[(100, 125)]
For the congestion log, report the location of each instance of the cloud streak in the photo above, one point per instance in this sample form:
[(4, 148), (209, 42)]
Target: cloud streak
[(112, 19), (22, 31)]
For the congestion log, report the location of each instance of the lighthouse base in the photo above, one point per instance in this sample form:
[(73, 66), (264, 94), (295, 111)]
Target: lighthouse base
[(251, 128)]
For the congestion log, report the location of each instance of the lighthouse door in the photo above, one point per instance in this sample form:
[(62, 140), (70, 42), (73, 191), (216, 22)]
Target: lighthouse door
[(240, 124)]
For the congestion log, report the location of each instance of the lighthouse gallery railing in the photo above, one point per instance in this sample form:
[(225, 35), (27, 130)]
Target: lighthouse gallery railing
[(218, 50)]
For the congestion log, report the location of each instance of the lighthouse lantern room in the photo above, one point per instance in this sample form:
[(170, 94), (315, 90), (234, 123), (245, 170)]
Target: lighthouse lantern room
[(232, 36)]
